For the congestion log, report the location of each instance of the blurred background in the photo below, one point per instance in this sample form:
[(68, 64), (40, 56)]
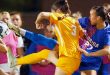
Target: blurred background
[(30, 8)]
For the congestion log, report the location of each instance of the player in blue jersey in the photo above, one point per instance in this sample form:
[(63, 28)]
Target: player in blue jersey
[(98, 42), (105, 67), (40, 39)]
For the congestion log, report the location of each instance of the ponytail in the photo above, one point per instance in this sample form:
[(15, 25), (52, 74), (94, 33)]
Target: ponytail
[(62, 5), (108, 16)]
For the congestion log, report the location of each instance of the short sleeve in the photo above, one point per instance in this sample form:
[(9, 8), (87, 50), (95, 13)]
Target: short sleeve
[(20, 42), (53, 18)]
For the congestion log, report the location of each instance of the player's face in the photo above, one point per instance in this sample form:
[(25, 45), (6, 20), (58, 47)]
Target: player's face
[(48, 32), (16, 19), (6, 18), (93, 17)]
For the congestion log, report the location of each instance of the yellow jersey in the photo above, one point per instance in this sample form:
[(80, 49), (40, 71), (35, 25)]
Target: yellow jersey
[(68, 32)]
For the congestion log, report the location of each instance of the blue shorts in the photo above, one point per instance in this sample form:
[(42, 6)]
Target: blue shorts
[(90, 63), (106, 69), (76, 73)]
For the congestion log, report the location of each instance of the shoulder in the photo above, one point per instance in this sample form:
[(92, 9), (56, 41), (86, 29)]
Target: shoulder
[(107, 29), (84, 21)]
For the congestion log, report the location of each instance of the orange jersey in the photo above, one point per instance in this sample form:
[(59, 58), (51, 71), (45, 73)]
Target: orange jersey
[(67, 31)]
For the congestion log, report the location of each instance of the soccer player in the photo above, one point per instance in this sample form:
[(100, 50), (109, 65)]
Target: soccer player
[(68, 32), (98, 40)]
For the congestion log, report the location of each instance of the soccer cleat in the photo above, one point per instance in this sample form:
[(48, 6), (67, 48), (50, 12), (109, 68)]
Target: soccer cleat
[(14, 28), (11, 59), (13, 63)]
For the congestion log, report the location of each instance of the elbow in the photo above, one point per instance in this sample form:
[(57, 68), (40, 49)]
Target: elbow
[(42, 14)]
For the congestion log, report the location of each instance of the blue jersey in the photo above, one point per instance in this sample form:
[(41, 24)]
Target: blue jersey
[(96, 40), (84, 22), (100, 39), (39, 39)]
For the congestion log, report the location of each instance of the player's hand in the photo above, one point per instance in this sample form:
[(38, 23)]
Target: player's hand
[(44, 62), (83, 51), (14, 28), (80, 49)]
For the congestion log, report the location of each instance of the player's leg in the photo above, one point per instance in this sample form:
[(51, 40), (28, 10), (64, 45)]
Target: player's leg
[(35, 58), (59, 71), (31, 58), (66, 65), (89, 72), (2, 72)]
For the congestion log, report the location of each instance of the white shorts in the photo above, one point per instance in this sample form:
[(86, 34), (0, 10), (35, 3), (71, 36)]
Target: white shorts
[(6, 68)]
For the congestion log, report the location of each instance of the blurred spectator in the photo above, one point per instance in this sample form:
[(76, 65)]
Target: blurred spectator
[(77, 15), (14, 43), (107, 6), (5, 17), (17, 20)]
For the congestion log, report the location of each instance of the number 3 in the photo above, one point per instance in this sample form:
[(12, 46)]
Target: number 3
[(74, 30)]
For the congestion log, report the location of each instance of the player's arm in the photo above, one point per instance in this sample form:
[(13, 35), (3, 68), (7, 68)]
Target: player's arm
[(102, 52), (39, 39), (105, 50), (40, 17), (3, 47)]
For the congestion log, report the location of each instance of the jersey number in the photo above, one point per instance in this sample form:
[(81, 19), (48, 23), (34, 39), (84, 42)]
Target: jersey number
[(74, 30)]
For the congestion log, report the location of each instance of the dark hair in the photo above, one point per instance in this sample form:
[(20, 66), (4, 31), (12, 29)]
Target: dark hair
[(102, 12), (62, 5), (16, 13), (45, 22)]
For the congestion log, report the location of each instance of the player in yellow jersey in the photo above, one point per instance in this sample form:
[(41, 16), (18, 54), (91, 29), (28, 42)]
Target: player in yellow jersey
[(68, 32)]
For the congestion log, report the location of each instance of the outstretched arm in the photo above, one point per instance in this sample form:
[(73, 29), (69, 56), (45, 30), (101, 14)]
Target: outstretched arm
[(102, 52), (40, 17)]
